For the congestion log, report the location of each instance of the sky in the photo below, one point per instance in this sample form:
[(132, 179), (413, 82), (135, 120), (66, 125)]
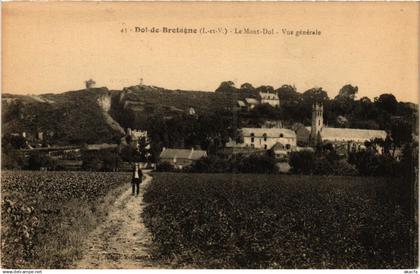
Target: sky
[(53, 47)]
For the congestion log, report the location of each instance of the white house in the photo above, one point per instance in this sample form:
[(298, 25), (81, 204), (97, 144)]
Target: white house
[(136, 134), (266, 138), (251, 102), (270, 98)]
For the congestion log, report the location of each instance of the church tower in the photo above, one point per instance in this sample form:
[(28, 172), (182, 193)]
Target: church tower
[(317, 121)]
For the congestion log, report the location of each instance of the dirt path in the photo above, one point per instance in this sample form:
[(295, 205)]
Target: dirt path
[(122, 240)]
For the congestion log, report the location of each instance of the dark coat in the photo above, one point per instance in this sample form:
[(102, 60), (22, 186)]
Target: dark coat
[(137, 180)]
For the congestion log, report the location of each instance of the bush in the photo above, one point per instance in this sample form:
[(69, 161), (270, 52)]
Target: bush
[(256, 164), (165, 167), (368, 163), (102, 160), (302, 162), (210, 164), (238, 164)]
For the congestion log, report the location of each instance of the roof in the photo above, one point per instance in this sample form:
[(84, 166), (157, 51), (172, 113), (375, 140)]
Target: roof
[(270, 132), (101, 146), (268, 96), (191, 154), (350, 134), (241, 103), (251, 101)]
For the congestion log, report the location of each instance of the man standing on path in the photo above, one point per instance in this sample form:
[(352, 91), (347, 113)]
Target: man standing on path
[(137, 177)]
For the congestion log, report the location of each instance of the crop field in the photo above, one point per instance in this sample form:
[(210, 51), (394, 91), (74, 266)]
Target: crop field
[(278, 221), (46, 215)]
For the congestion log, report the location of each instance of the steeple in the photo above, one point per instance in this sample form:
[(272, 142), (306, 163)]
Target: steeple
[(317, 121)]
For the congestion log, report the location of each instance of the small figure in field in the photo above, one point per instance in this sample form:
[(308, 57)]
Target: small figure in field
[(137, 177)]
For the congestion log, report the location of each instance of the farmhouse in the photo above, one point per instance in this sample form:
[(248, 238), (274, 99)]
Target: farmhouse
[(270, 98), (136, 134), (266, 138), (319, 133), (181, 157)]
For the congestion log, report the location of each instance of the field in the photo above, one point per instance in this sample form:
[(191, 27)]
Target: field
[(46, 215), (274, 221)]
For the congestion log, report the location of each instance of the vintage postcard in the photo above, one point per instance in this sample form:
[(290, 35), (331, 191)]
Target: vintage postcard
[(209, 135)]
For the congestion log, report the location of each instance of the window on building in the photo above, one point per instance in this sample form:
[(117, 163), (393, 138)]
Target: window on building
[(265, 137), (265, 146), (252, 137), (281, 135)]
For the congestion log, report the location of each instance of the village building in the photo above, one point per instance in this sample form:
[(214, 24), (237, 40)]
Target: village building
[(354, 138), (272, 124), (101, 146), (241, 104), (251, 102), (180, 158), (270, 98), (136, 134), (266, 138)]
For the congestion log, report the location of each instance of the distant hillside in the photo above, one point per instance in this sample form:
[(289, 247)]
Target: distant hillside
[(72, 117), (99, 115), (135, 104)]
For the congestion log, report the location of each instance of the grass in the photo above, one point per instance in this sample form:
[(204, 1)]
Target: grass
[(275, 221), (47, 215)]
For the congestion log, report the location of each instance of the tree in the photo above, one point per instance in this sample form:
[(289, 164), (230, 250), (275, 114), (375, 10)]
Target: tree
[(265, 89), (302, 162), (247, 87), (17, 142), (226, 86), (387, 102), (144, 150), (401, 133), (38, 160), (288, 93), (347, 92), (315, 95)]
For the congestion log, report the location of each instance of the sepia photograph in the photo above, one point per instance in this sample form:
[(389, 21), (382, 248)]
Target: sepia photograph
[(209, 135)]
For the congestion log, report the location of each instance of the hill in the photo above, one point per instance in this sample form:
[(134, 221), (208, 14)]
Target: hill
[(99, 115), (73, 117), (134, 105)]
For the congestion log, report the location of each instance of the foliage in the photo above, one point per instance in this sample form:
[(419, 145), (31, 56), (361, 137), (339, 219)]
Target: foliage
[(347, 92), (12, 159), (253, 163), (165, 167), (324, 162), (38, 160), (274, 221), (369, 163), (227, 86), (101, 160), (45, 215), (302, 162)]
